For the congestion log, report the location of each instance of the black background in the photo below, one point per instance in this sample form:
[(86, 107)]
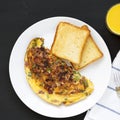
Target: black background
[(17, 15)]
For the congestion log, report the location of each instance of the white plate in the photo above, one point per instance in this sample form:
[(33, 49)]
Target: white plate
[(98, 72)]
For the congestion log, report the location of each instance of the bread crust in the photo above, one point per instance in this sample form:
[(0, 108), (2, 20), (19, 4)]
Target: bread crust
[(77, 67), (82, 47)]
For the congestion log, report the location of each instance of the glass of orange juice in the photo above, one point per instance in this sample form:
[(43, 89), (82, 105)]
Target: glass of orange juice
[(113, 19)]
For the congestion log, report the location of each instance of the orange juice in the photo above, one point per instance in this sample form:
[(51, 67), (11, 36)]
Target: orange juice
[(113, 19)]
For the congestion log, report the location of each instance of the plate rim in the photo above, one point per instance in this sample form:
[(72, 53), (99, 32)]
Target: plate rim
[(58, 17)]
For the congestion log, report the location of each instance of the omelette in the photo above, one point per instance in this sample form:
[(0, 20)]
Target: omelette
[(51, 78)]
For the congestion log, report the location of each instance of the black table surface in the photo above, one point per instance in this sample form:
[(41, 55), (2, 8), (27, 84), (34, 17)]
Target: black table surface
[(17, 15)]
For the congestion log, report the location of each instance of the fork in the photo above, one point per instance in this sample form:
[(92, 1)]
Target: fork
[(116, 73), (116, 77)]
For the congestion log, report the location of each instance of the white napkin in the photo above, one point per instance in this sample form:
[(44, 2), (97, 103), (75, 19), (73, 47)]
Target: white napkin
[(108, 108)]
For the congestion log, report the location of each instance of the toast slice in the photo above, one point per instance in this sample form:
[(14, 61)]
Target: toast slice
[(90, 54), (69, 41)]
